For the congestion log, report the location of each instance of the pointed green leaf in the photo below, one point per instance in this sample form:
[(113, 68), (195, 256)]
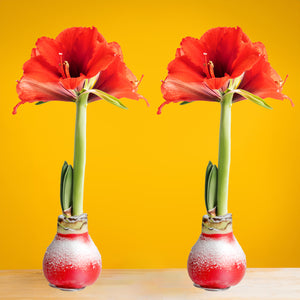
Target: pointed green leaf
[(208, 169), (256, 99), (67, 188), (41, 102), (212, 185), (62, 176), (109, 98), (186, 102)]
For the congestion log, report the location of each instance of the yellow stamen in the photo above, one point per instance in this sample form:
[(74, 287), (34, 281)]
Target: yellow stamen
[(211, 69), (66, 68)]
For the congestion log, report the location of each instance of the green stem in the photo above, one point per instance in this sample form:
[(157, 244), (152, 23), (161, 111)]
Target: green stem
[(79, 154), (224, 154)]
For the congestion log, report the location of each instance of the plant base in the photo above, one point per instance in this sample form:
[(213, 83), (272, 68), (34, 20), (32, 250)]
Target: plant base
[(64, 289), (216, 261), (72, 261), (209, 289)]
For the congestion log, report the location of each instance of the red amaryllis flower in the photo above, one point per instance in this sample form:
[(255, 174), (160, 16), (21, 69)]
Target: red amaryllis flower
[(222, 60), (77, 60)]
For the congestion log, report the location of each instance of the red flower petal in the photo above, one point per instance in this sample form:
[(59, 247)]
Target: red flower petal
[(102, 57), (49, 49), (193, 49), (263, 81), (229, 49), (261, 49), (116, 49), (39, 69), (220, 45), (177, 91), (30, 90), (73, 83), (34, 52), (118, 80), (217, 83), (245, 60), (77, 46), (183, 69)]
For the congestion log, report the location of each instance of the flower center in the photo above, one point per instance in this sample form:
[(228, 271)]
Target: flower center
[(208, 67), (64, 67)]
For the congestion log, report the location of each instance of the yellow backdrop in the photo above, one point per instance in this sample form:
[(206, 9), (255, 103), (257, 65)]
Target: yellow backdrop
[(145, 173)]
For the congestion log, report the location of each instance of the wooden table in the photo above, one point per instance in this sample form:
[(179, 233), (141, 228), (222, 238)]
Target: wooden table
[(165, 284)]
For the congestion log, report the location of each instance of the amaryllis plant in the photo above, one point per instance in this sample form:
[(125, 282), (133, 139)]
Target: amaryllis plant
[(78, 66), (226, 67)]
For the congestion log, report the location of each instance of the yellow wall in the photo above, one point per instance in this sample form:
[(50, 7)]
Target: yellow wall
[(145, 173)]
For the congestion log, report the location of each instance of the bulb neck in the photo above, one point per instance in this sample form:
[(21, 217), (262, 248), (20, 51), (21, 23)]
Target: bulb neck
[(72, 225), (217, 225)]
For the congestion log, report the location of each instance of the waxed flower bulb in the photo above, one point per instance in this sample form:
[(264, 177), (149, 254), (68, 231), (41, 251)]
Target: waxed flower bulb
[(222, 66), (80, 67)]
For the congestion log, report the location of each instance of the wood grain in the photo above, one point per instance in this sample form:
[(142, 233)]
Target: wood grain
[(165, 284)]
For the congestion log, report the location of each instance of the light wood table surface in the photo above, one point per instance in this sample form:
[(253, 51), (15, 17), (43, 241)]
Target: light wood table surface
[(165, 284)]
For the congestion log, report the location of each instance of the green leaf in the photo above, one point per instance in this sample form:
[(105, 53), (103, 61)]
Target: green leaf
[(185, 102), (109, 98), (41, 102), (253, 98), (67, 188), (62, 176), (208, 169), (212, 185)]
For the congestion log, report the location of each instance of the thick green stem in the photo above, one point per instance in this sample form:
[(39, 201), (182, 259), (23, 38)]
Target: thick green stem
[(224, 154), (79, 154)]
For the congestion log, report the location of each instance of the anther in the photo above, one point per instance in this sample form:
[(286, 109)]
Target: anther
[(66, 68), (211, 69)]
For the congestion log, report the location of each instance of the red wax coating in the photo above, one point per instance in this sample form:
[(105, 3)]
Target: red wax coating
[(72, 261), (216, 261)]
